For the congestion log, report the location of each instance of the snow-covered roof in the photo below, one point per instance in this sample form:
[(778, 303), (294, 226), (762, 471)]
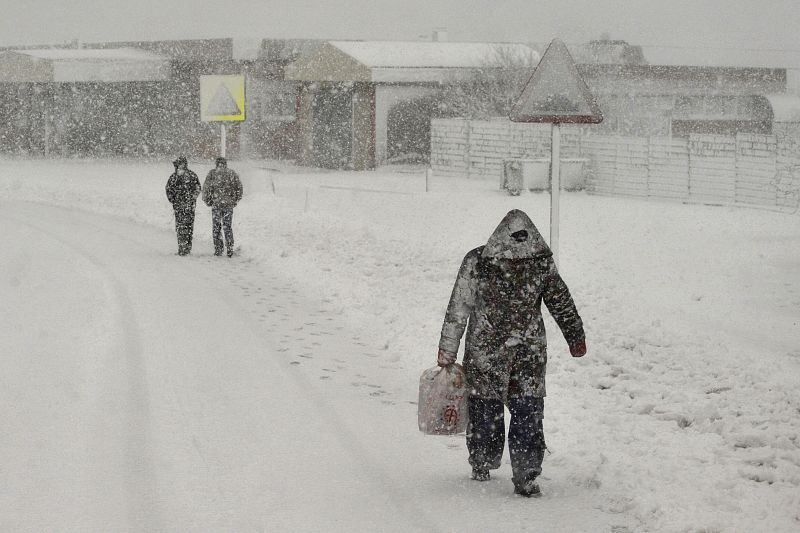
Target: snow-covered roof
[(721, 57), (423, 54), (91, 54), (71, 65), (402, 61)]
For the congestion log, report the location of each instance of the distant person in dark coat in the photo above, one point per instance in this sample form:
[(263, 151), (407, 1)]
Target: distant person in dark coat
[(222, 190), (497, 299), (183, 188)]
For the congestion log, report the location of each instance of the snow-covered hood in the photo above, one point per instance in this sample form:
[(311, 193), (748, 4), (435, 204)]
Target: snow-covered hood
[(502, 245)]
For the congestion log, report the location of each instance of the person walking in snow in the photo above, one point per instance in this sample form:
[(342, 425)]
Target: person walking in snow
[(497, 299), (183, 188), (222, 190)]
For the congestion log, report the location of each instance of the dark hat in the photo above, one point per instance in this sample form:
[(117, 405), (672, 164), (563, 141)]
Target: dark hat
[(180, 161), (220, 161)]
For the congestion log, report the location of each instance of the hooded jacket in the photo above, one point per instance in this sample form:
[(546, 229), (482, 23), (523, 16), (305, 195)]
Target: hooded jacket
[(222, 188), (182, 191), (497, 298)]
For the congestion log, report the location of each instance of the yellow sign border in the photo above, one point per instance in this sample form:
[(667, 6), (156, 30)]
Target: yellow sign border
[(209, 84)]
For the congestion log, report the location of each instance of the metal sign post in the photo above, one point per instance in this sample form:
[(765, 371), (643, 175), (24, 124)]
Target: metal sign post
[(223, 139), (555, 186)]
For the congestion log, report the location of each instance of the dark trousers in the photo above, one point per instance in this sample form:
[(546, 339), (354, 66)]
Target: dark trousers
[(486, 434), (184, 227), (221, 221)]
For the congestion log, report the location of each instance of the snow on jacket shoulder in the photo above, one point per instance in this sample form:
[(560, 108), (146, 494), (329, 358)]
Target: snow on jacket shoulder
[(222, 188), (183, 190)]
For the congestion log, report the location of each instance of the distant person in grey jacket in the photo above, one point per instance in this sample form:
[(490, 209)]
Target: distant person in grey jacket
[(222, 190)]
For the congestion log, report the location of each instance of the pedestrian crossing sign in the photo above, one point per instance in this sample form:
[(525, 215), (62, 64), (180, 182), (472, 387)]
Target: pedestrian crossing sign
[(221, 98)]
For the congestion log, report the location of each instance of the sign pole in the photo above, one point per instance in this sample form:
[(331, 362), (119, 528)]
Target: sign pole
[(555, 187), (223, 139), (47, 134)]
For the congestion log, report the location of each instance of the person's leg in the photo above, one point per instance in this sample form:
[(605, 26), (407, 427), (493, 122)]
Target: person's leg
[(227, 224), (486, 435), (526, 443), (216, 229), (189, 229), (177, 213), (183, 230)]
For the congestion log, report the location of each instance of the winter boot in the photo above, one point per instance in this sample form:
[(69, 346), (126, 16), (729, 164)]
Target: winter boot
[(529, 489), (480, 474)]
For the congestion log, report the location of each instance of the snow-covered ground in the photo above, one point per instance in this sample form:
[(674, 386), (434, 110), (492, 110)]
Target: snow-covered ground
[(684, 416)]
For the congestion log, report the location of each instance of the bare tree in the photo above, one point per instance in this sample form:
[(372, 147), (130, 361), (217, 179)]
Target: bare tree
[(491, 90), (488, 91)]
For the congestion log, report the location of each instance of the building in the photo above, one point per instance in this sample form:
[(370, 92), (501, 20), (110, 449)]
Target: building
[(355, 104), (139, 98), (677, 91), (349, 90), (68, 100)]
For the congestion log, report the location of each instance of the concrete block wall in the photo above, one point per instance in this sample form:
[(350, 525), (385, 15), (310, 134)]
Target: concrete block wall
[(756, 170), (450, 147), (478, 149), (618, 164), (747, 169), (712, 169), (787, 174), (668, 168)]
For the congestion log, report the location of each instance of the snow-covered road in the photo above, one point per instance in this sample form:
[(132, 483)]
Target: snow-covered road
[(161, 398), (149, 392)]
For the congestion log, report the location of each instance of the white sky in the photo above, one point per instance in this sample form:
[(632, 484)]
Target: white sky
[(751, 24)]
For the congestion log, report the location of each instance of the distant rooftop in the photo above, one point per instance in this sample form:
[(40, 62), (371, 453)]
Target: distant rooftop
[(433, 54), (75, 65), (402, 61), (721, 57), (87, 54)]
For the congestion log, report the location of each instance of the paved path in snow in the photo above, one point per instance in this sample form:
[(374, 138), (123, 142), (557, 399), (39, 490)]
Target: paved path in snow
[(150, 392)]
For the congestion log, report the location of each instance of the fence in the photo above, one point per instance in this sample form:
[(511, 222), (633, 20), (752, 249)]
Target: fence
[(477, 149), (748, 169)]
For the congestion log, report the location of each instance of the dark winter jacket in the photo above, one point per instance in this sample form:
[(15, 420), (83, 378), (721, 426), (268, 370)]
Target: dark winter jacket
[(182, 191), (497, 299), (222, 188)]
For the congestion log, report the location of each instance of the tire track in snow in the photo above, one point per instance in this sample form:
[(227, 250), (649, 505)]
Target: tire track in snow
[(144, 512), (413, 517)]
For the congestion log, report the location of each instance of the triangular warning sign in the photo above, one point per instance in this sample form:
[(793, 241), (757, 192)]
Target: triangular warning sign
[(556, 92), (223, 103)]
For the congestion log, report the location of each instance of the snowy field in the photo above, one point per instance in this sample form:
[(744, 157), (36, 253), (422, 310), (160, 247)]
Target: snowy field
[(684, 415)]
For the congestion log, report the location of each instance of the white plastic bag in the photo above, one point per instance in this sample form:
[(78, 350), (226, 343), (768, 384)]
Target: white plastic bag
[(442, 407)]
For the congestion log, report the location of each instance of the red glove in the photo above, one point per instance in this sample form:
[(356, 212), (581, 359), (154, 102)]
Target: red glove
[(445, 358), (578, 349)]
